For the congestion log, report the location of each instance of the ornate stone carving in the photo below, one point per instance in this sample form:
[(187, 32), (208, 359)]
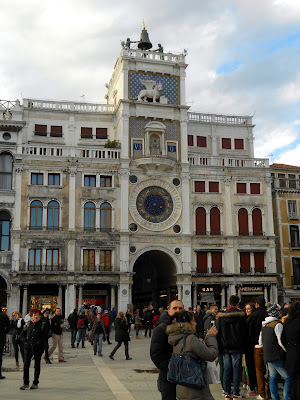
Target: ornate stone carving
[(19, 170), (152, 91), (7, 115)]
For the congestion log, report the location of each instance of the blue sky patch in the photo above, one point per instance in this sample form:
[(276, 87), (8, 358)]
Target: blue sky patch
[(228, 68)]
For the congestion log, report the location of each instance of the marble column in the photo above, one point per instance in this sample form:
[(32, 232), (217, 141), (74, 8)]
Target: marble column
[(195, 295), (18, 190), (79, 297), (112, 296), (25, 301), (72, 211), (179, 291), (187, 295), (70, 299), (266, 293), (60, 297), (223, 297)]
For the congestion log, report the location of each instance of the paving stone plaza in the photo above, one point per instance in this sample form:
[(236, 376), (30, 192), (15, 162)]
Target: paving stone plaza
[(85, 376)]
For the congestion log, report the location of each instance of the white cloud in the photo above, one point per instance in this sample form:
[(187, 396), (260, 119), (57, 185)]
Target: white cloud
[(290, 157), (272, 139), (291, 91)]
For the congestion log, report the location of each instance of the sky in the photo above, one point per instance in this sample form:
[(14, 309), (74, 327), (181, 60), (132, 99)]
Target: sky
[(243, 56)]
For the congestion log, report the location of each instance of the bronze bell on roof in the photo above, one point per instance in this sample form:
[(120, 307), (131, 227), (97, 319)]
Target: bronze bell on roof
[(144, 43)]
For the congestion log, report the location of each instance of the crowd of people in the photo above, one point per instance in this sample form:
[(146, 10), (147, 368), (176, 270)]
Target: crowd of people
[(255, 344)]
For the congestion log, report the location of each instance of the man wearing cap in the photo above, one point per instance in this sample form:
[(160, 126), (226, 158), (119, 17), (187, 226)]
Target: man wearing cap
[(270, 338), (106, 319)]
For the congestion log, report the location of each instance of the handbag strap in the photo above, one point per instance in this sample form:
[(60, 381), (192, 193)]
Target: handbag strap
[(183, 345)]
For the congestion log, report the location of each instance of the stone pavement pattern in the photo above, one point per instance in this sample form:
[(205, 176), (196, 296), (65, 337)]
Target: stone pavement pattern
[(85, 376)]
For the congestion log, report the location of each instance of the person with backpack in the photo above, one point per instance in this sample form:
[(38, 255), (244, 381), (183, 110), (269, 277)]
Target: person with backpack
[(35, 335), (72, 319), (57, 335), (82, 324)]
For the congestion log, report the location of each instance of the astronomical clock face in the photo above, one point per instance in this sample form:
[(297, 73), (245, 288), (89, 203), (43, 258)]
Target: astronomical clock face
[(155, 204)]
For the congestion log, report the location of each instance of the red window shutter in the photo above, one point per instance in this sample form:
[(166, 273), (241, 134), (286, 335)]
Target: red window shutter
[(40, 130), (257, 222), (202, 262), (215, 227), (226, 143), (200, 186), (259, 262), (200, 221), (243, 222), (56, 131), (201, 141), (87, 133), (214, 187), (239, 144), (241, 188), (216, 262), (255, 188), (190, 140), (245, 262), (101, 133)]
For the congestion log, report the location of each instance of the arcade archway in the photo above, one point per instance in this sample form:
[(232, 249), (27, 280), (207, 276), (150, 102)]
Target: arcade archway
[(154, 281)]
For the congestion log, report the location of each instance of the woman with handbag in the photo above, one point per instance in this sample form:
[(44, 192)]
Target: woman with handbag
[(122, 335), (17, 325), (182, 337)]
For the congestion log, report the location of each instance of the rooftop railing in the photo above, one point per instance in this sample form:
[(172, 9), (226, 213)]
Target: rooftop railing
[(153, 55), (69, 106), (228, 162), (219, 119)]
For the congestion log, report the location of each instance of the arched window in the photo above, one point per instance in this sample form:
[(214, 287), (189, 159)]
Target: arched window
[(215, 224), (105, 217), (36, 215), (243, 222), (89, 216), (6, 168), (200, 221), (257, 222), (4, 230), (53, 216)]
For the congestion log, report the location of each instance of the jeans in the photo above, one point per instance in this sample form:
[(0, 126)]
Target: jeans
[(98, 341), (18, 344), (167, 389), (37, 367), (73, 336), (81, 334), (2, 342), (118, 346), (137, 328), (232, 368), (275, 368), (249, 354)]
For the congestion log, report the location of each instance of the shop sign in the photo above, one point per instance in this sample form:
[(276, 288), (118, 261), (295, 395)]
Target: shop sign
[(253, 289), (207, 289), (94, 292)]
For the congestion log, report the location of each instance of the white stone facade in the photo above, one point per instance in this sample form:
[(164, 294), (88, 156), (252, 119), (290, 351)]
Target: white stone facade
[(121, 227)]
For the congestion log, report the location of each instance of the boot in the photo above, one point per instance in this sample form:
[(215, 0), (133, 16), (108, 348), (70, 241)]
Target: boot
[(17, 365), (137, 337)]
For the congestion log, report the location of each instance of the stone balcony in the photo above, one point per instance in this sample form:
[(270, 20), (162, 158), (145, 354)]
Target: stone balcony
[(286, 185), (68, 106), (65, 151), (230, 162), (219, 119), (153, 55)]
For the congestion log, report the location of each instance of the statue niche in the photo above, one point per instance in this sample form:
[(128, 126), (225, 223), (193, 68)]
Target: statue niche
[(155, 148)]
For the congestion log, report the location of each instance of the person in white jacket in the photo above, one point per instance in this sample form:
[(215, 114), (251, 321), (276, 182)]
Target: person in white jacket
[(273, 348)]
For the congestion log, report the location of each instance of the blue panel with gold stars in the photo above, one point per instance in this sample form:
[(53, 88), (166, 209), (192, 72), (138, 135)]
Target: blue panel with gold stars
[(154, 204), (170, 85)]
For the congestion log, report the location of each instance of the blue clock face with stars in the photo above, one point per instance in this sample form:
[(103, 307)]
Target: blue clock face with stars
[(154, 204)]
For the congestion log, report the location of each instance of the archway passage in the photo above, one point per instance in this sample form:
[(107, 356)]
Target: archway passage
[(3, 296), (154, 281)]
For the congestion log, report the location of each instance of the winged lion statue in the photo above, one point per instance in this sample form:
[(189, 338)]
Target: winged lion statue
[(152, 91)]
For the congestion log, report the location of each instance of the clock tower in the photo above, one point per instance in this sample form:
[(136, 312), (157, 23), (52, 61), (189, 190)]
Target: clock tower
[(148, 90)]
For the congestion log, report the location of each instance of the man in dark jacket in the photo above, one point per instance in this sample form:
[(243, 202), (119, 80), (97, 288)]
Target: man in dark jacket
[(4, 329), (231, 338), (161, 351), (35, 334), (198, 316), (45, 318), (72, 319), (254, 325), (57, 335)]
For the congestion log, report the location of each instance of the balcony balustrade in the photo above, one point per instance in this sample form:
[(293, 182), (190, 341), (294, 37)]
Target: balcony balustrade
[(70, 106), (64, 151), (96, 268), (286, 184), (44, 268), (219, 119), (231, 162)]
